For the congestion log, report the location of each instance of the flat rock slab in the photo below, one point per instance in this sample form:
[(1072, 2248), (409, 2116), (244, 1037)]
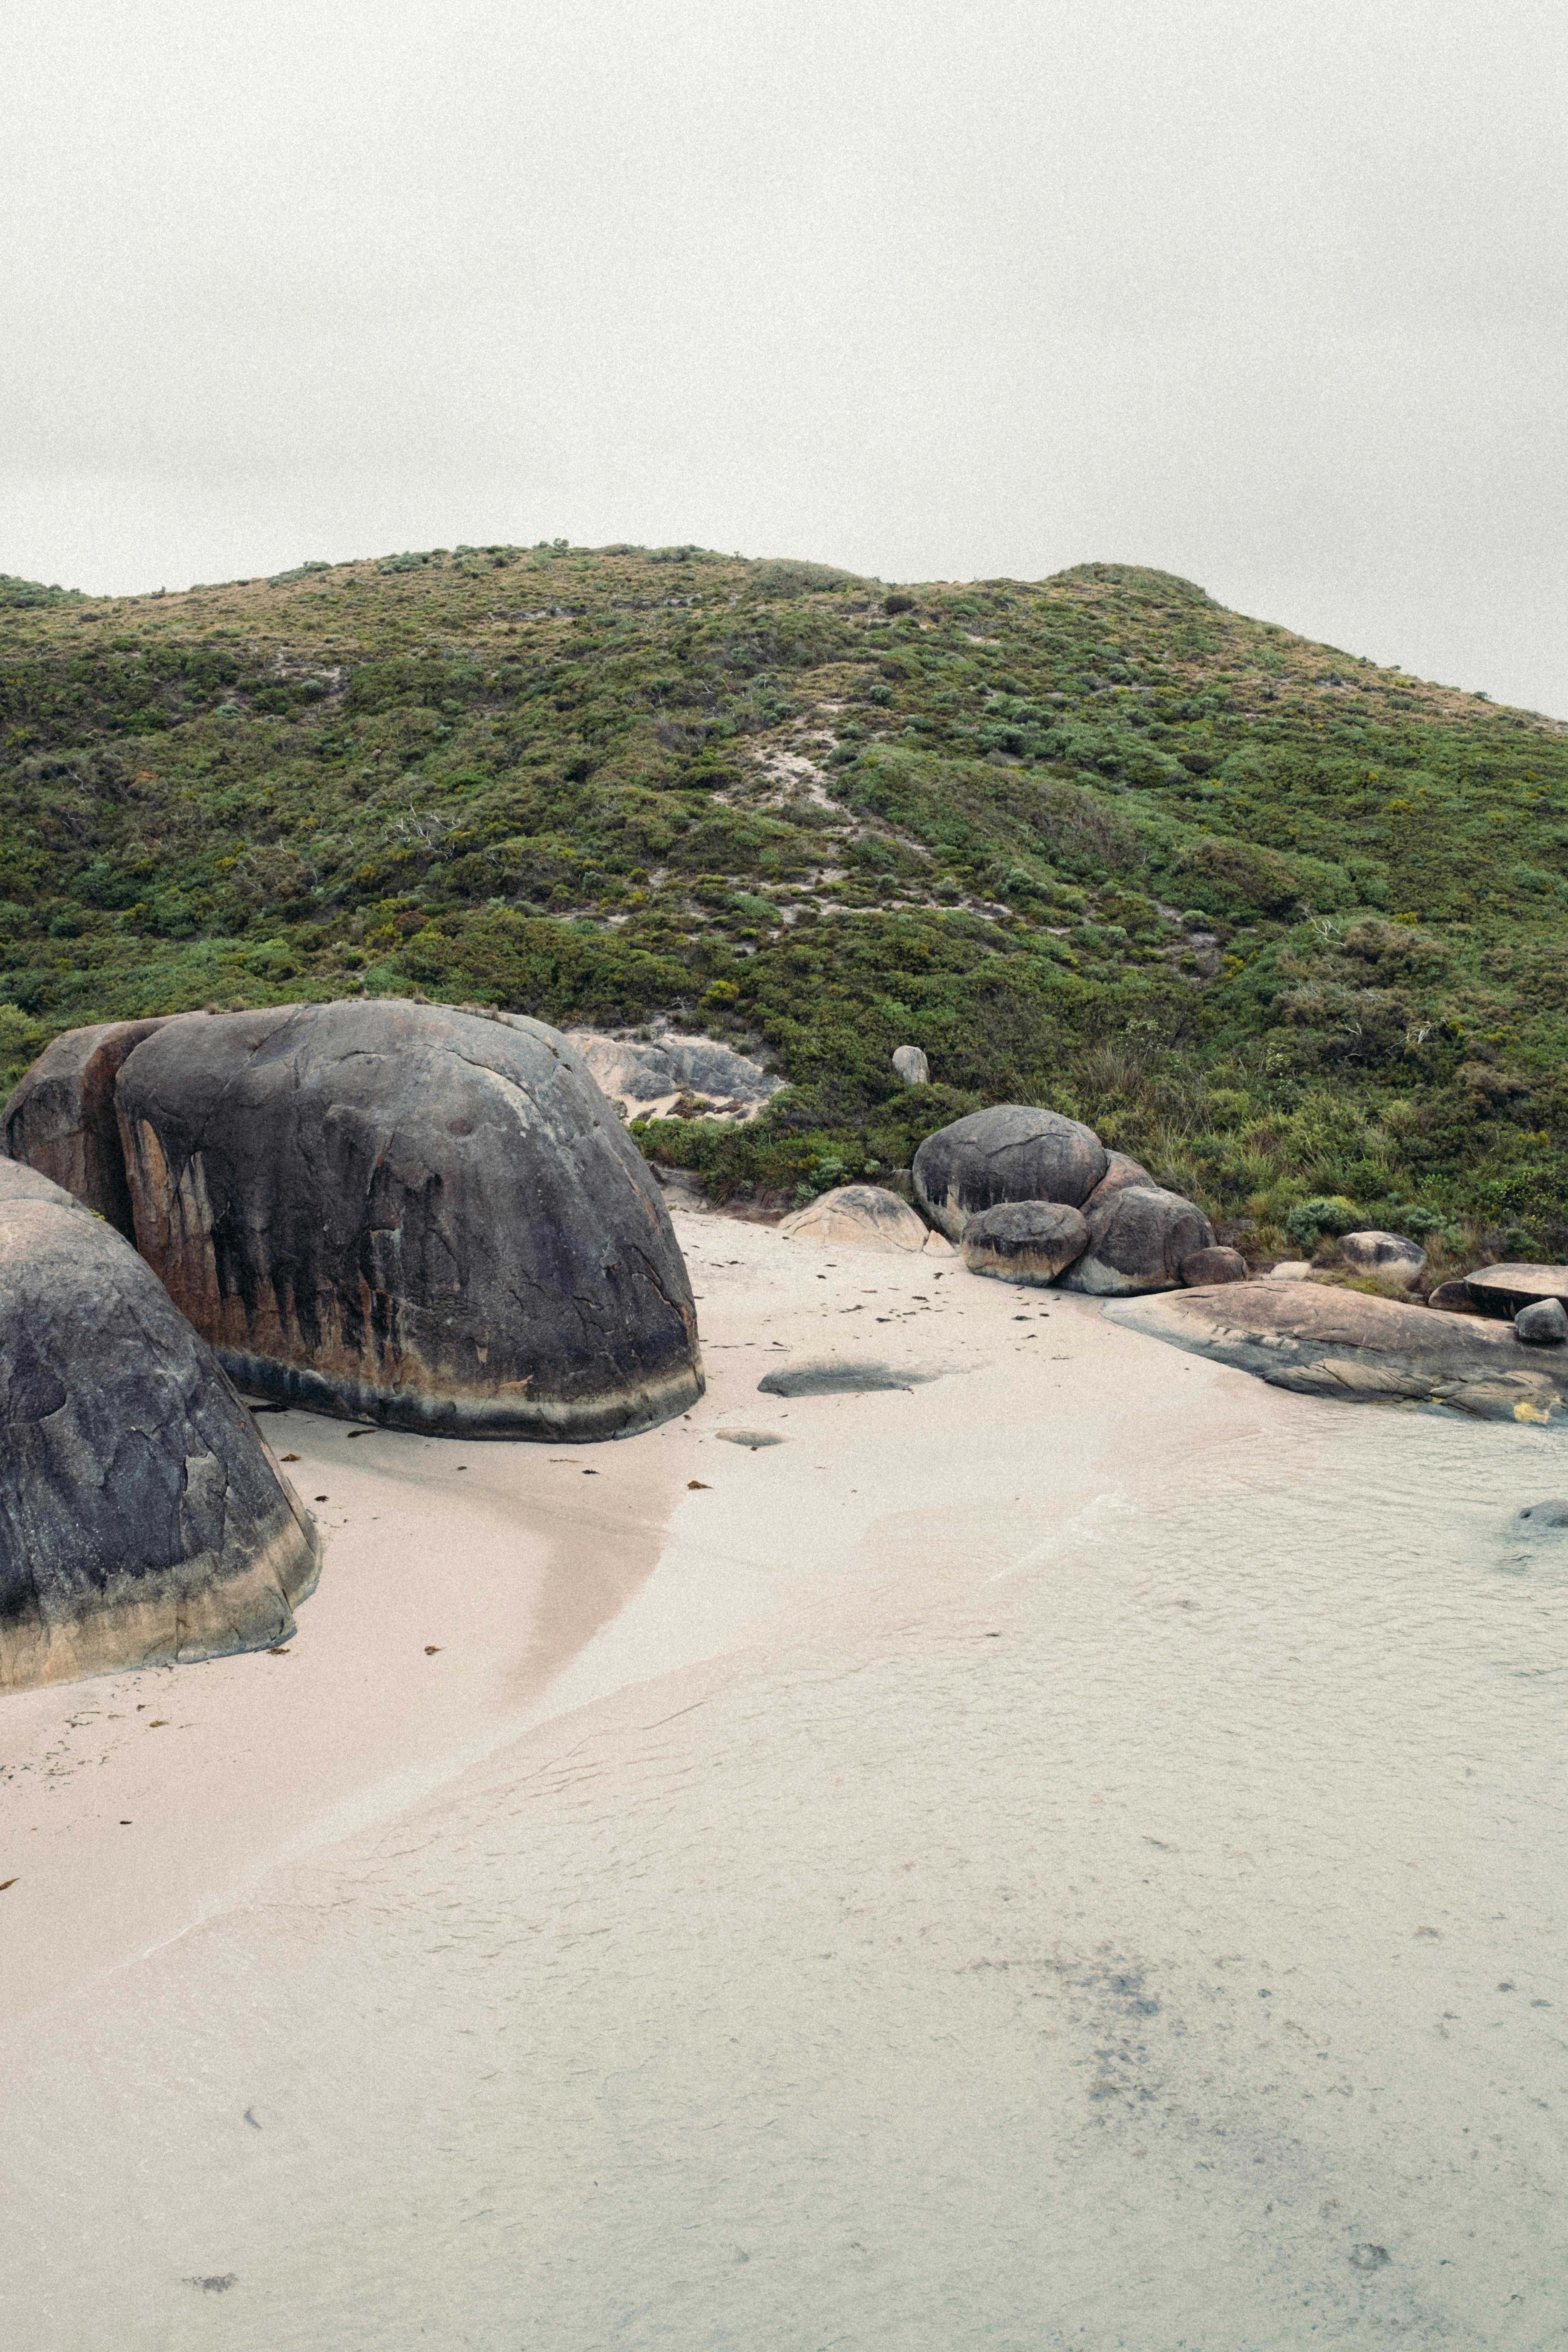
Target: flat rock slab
[(841, 1380), (143, 1520), (1321, 1341), (1503, 1290)]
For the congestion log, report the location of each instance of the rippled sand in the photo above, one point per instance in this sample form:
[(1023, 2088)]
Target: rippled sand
[(1068, 1855)]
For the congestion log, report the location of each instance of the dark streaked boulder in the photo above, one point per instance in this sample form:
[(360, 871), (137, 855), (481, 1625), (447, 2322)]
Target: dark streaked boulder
[(1388, 1254), (61, 1118), (143, 1520), (1008, 1153), (409, 1215), (1029, 1242), (1139, 1239)]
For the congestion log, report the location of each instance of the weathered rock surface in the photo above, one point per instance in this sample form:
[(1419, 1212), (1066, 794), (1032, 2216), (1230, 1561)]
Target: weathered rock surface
[(1008, 1153), (1029, 1242), (1453, 1298), (1290, 1269), (1389, 1255), (1210, 1266), (1543, 1324), (857, 1216), (1322, 1341), (1139, 1240), (1504, 1289), (412, 1215), (650, 1078), (143, 1520), (1119, 1174), (61, 1118), (910, 1065)]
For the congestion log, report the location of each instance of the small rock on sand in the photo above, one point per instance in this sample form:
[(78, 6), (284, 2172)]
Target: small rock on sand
[(857, 1216)]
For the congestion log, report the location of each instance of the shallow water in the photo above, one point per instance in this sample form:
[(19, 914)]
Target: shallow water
[(1149, 1937)]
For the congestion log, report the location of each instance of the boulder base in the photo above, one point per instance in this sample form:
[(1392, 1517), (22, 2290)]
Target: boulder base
[(857, 1216), (1027, 1242), (1139, 1239), (143, 1520), (416, 1217), (1344, 1343), (1008, 1153)]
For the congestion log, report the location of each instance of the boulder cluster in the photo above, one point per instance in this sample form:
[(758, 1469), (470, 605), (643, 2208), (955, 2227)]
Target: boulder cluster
[(382, 1211), (1031, 1197)]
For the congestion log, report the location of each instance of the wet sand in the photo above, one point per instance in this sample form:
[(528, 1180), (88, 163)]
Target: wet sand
[(1070, 1853)]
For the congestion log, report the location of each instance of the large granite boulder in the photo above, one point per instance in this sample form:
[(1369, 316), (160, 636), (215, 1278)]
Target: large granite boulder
[(1388, 1254), (1502, 1290), (649, 1077), (412, 1215), (857, 1216), (1322, 1341), (61, 1118), (1029, 1242), (1139, 1239), (1008, 1153), (143, 1520)]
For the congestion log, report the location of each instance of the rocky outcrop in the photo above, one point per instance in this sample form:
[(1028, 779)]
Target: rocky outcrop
[(1206, 1267), (910, 1065), (651, 1078), (1543, 1324), (1503, 1290), (857, 1216), (61, 1118), (1322, 1341), (408, 1214), (1139, 1239), (1453, 1298), (1388, 1254), (1029, 1242), (143, 1520), (1008, 1153)]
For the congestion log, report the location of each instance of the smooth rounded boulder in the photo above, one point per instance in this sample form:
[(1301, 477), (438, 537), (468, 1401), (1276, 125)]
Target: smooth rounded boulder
[(411, 1215), (1388, 1254), (1543, 1324), (1008, 1153), (857, 1216), (143, 1520), (910, 1065), (1207, 1267), (1027, 1242), (1139, 1239)]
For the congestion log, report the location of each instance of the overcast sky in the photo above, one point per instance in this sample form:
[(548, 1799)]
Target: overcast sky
[(1270, 295)]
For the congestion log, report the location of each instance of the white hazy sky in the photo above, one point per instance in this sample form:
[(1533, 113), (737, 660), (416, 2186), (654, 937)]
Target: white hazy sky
[(1270, 295)]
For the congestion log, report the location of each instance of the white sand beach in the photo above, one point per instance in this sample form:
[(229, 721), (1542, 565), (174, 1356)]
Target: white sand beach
[(1067, 1853)]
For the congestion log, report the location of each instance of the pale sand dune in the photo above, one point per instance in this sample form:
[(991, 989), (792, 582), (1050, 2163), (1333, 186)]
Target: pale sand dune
[(1071, 1854)]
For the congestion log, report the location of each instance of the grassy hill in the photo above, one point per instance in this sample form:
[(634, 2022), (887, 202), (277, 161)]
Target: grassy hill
[(1282, 924)]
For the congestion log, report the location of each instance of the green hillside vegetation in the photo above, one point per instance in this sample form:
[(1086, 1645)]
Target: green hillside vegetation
[(1289, 927)]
